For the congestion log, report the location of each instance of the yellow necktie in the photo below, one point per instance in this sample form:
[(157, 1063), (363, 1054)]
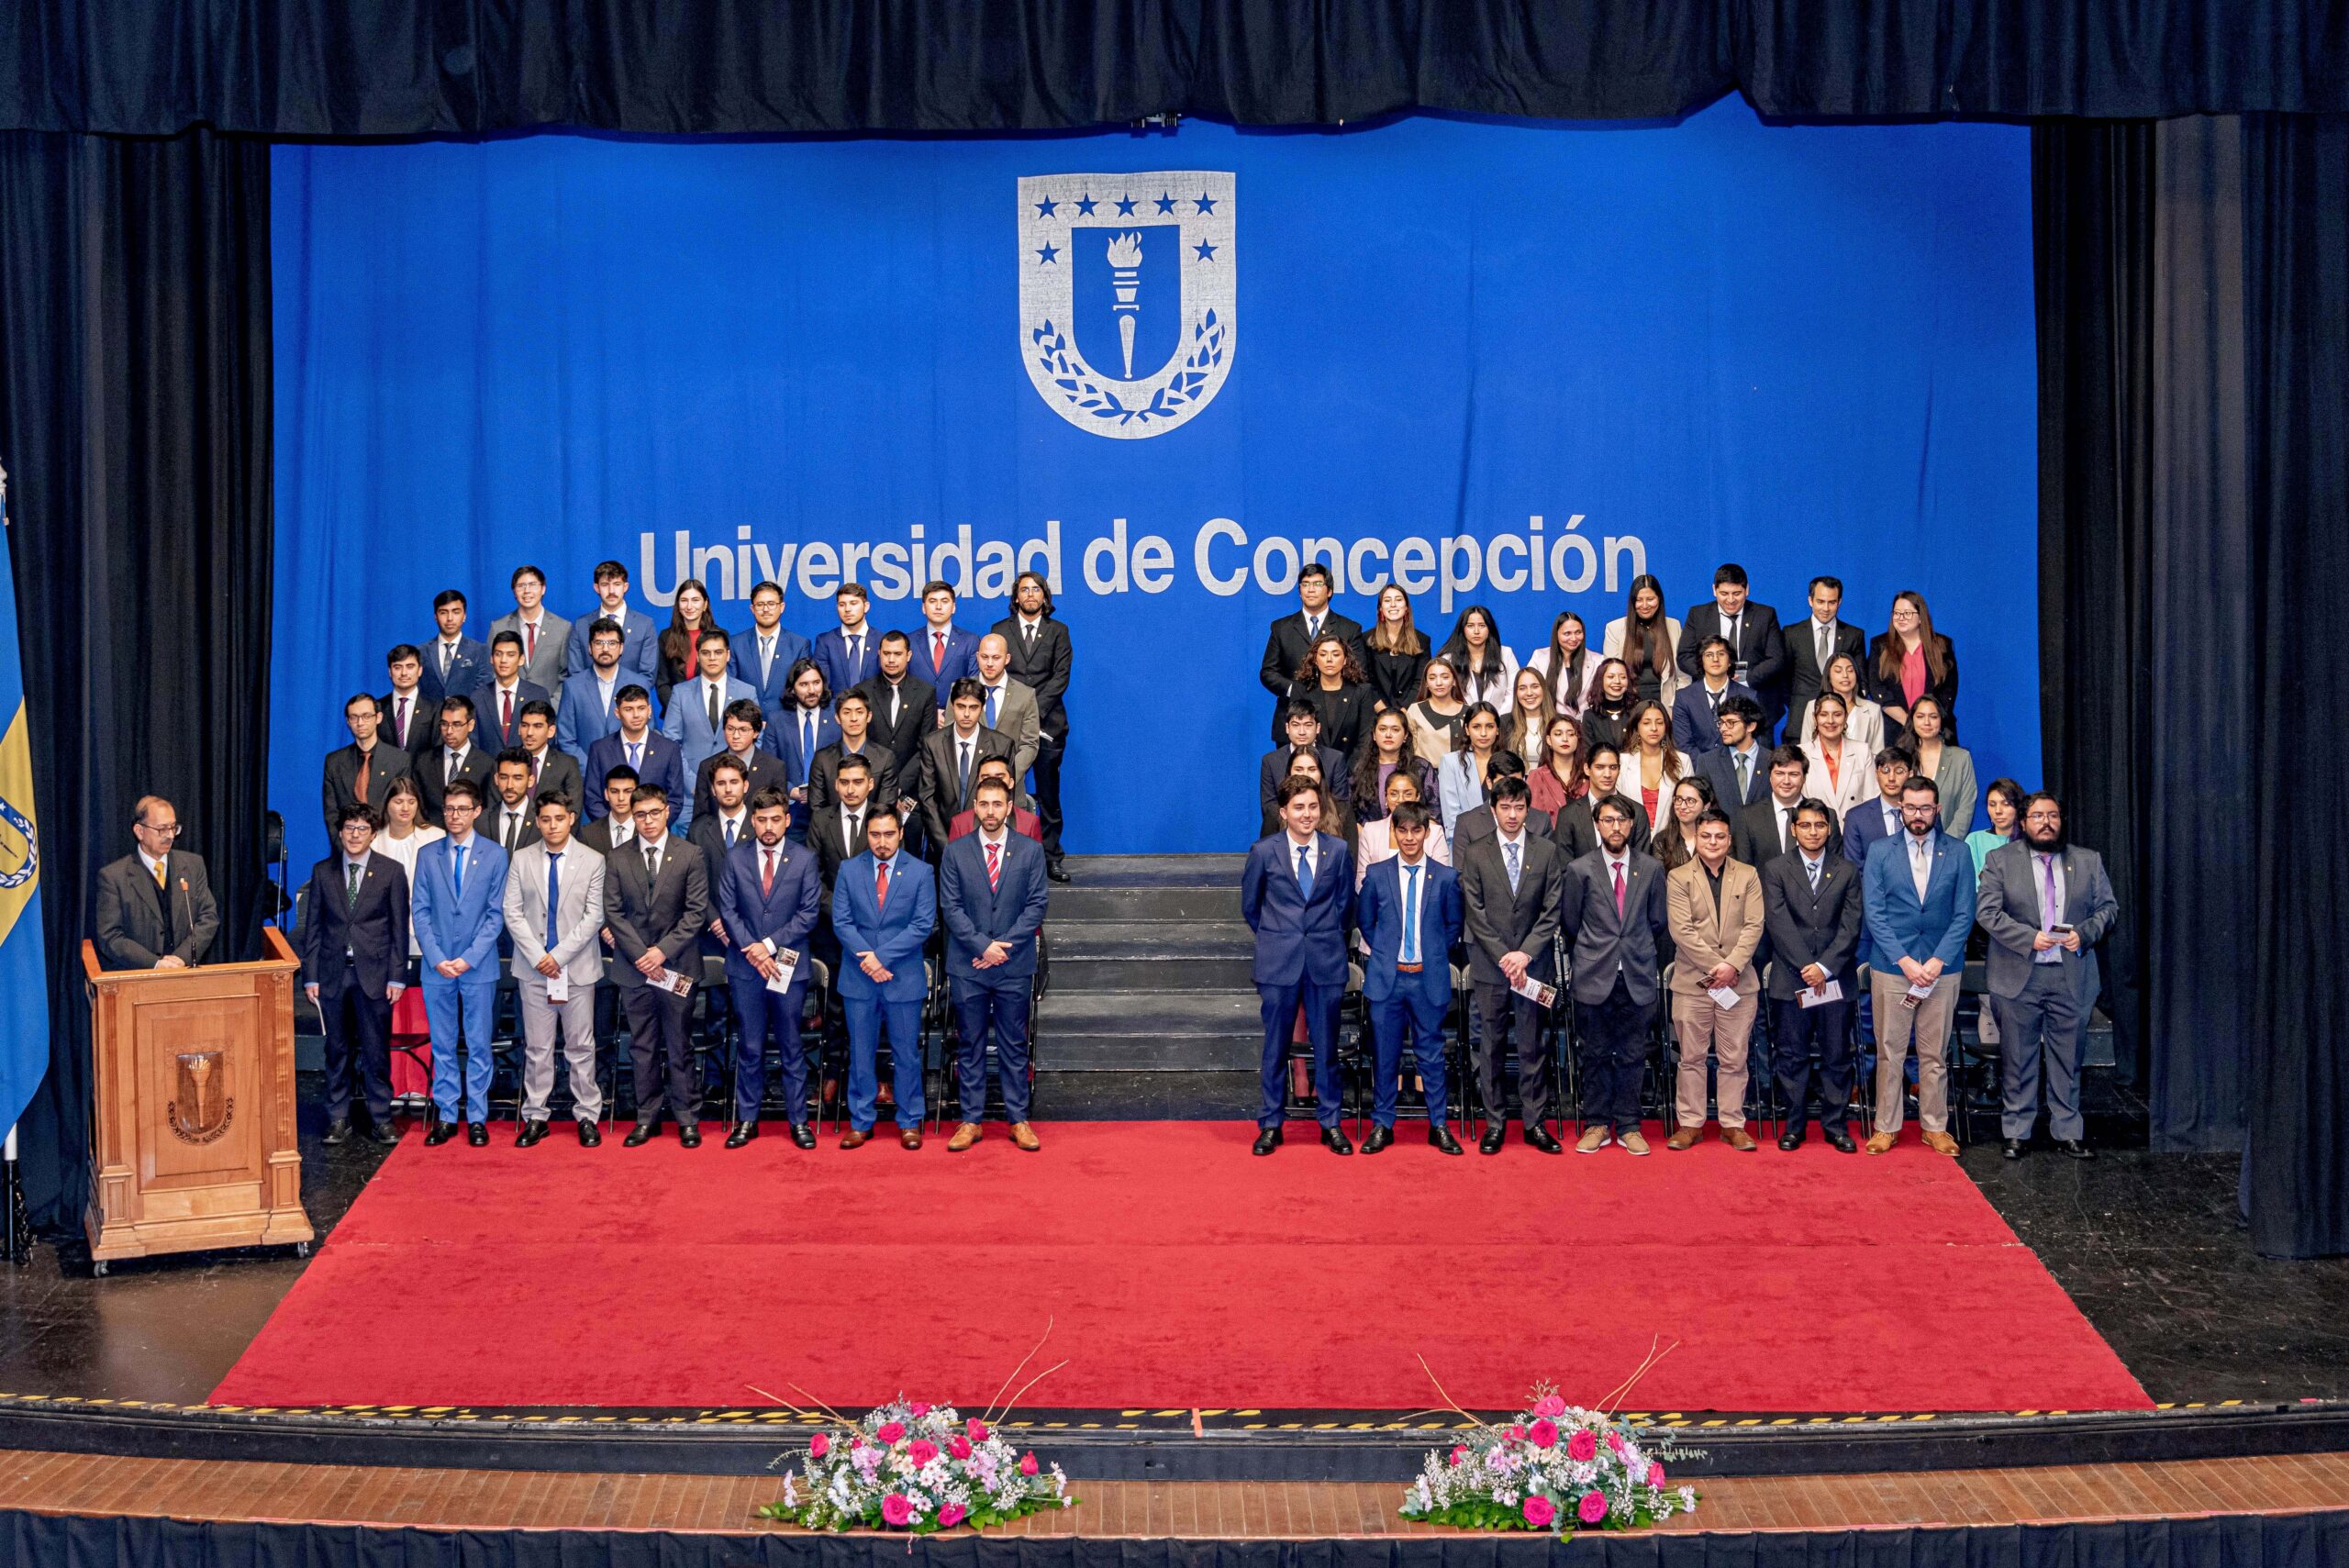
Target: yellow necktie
[(159, 877)]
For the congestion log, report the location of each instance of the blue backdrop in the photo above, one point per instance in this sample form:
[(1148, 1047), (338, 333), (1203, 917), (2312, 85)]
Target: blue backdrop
[(1445, 349)]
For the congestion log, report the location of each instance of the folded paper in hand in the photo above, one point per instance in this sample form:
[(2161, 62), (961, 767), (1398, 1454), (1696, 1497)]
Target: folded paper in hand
[(1724, 996), (1832, 990), (786, 964), (1540, 994), (676, 984)]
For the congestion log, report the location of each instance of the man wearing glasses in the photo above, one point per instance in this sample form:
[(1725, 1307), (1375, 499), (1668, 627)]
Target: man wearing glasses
[(155, 908)]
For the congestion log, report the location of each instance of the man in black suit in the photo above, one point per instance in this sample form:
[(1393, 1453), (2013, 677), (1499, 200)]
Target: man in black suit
[(1475, 824), (854, 714), (1765, 829), (1291, 638), (1812, 645), (836, 832), (1578, 830), (904, 709), (616, 826), (657, 902), (951, 758), (353, 946), (456, 757), (512, 819), (155, 908), (409, 721), (1757, 650), (1041, 659), (1739, 723), (728, 822), (1811, 905), (1304, 726), (553, 771), (1617, 923), (499, 699), (362, 772), (743, 723), (1511, 884)]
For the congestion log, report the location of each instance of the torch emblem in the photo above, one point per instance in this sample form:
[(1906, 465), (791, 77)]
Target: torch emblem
[(1127, 295)]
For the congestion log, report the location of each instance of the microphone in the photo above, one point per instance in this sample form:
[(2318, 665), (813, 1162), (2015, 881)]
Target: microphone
[(189, 911)]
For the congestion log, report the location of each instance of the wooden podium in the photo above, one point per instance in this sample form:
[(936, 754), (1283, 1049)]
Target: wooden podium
[(193, 1072)]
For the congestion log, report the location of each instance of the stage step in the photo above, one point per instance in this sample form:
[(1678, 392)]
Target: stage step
[(1150, 965)]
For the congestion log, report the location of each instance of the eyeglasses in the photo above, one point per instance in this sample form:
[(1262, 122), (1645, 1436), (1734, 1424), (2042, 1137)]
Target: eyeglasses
[(174, 832)]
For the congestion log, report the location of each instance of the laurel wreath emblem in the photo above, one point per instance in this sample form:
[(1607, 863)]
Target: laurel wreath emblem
[(1170, 400), (31, 863)]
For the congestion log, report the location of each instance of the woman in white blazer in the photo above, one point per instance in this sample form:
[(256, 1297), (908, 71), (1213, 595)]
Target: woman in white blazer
[(1375, 841), (1656, 670), (1843, 771), (1862, 719), (1651, 765), (1487, 670)]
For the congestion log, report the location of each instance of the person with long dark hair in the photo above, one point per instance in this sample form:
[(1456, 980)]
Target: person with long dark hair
[(1527, 728), (1395, 652), (1384, 751), (689, 617), (1674, 843), (1606, 707), (1648, 641), (1041, 660), (1462, 776), (1944, 761), (1562, 777), (1907, 661), (1652, 765), (1331, 678), (1436, 715), (1487, 670), (1567, 665)]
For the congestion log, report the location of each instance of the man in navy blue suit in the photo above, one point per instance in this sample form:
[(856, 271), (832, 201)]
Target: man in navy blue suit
[(943, 652), (884, 904), (1410, 914), (587, 709), (636, 744), (1296, 891), (1739, 766), (640, 639), (769, 896), (849, 653), (454, 664), (1870, 822), (763, 658), (991, 892)]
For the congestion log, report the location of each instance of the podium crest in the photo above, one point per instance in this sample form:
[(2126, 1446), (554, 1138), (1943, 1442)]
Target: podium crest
[(202, 1110)]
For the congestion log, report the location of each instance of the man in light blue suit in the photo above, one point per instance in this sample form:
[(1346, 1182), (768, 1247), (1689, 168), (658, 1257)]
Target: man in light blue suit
[(992, 895), (1918, 892), (770, 893), (587, 708), (1410, 913), (884, 904), (639, 637), (1296, 891), (697, 715), (849, 653), (763, 658), (457, 911)]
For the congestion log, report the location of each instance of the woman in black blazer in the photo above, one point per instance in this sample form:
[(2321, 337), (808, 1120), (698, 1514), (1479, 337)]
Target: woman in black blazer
[(1333, 682), (1396, 651), (1907, 661)]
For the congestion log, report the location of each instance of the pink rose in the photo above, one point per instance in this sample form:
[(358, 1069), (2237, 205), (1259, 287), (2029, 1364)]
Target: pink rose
[(976, 1429), (959, 1447), (1655, 1473), (1517, 1434), (1459, 1453), (921, 1450), (1544, 1433), (1615, 1441), (896, 1510), (1539, 1511), (952, 1514), (892, 1432), (820, 1445), (918, 1410), (1593, 1508), (1027, 1464), (1581, 1447), (1551, 1406)]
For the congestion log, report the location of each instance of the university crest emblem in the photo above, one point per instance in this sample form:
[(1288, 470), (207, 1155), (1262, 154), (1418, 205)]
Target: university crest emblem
[(201, 1110)]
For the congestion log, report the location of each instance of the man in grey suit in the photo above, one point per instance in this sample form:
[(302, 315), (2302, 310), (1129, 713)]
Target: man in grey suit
[(1009, 705), (155, 908), (657, 902), (1615, 918), (2045, 905), (554, 915), (546, 636), (1511, 885), (951, 758)]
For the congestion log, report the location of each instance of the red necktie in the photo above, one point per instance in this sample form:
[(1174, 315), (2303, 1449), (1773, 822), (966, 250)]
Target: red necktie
[(531, 640), (766, 880), (361, 783), (994, 865), (936, 652), (881, 887), (507, 727), (1619, 890)]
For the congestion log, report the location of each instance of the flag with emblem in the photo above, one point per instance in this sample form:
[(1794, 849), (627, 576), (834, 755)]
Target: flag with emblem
[(24, 1022)]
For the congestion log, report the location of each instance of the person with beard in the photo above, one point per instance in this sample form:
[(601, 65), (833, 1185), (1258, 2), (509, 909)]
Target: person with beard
[(2046, 904)]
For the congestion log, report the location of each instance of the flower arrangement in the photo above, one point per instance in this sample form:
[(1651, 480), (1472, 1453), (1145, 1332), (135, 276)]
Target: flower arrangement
[(919, 1468), (1555, 1467)]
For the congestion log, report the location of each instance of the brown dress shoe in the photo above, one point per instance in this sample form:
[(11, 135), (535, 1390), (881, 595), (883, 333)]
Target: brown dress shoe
[(1737, 1137), (1685, 1137), (1941, 1143), (964, 1136), (1881, 1143), (1024, 1137), (852, 1138), (910, 1137)]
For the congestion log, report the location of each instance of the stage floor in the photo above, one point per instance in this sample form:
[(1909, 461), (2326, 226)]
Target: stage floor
[(1175, 1272)]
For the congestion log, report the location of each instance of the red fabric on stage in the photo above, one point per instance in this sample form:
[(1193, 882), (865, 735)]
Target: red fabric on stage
[(1178, 1271)]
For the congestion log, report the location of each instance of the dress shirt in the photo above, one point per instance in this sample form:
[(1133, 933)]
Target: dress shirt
[(713, 691), (511, 820), (1813, 866), (1823, 641), (656, 848), (1413, 876), (852, 818), (633, 750), (403, 722), (1920, 863), (2045, 865), (1751, 758), (1512, 856), (450, 761), (623, 831), (448, 651), (765, 642), (604, 686), (1311, 849), (1785, 812), (154, 865), (729, 828)]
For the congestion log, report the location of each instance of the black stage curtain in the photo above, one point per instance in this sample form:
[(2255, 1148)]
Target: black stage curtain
[(135, 428), (371, 68)]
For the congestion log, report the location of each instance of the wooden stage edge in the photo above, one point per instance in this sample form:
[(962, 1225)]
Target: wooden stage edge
[(503, 1500)]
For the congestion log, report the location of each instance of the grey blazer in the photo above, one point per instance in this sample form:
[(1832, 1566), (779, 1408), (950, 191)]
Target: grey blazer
[(1498, 923), (2006, 903), (546, 667), (579, 916), (1017, 716), (131, 913)]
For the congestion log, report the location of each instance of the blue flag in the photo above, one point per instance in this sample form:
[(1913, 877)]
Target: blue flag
[(24, 981)]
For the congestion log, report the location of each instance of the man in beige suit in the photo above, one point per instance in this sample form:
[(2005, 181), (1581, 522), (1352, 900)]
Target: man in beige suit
[(558, 959), (1714, 905), (1011, 708)]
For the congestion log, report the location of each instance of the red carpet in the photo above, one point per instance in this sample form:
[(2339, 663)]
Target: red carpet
[(1180, 1271)]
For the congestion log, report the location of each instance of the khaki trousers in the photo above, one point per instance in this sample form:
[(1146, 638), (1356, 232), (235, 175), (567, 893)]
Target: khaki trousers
[(1706, 1031), (1897, 1028)]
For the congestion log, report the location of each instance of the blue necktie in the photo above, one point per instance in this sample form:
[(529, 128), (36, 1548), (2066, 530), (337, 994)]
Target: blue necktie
[(1411, 953), (1512, 865), (807, 743), (554, 897), (994, 693), (457, 870), (1303, 873), (636, 755)]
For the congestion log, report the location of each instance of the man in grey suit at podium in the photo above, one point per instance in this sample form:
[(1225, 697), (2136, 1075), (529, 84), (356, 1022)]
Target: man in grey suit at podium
[(155, 908)]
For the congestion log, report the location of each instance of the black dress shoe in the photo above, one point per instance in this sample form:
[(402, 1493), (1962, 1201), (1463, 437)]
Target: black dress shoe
[(532, 1132), (642, 1133), (1335, 1140), (337, 1133), (440, 1132), (2072, 1148), (1267, 1140), (1494, 1133), (381, 1132), (1538, 1137), (1838, 1138), (1440, 1137), (477, 1134), (803, 1135), (590, 1135), (689, 1137), (2012, 1149), (744, 1132), (1376, 1138), (1791, 1140), (1057, 872)]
